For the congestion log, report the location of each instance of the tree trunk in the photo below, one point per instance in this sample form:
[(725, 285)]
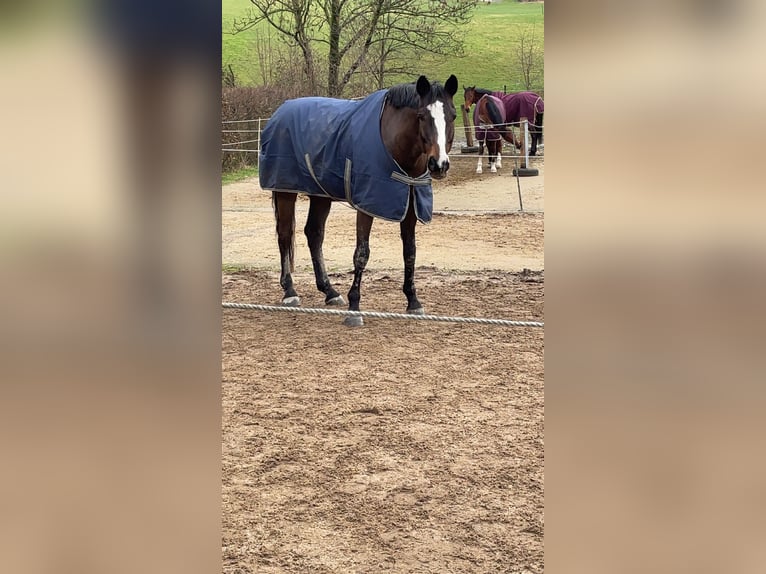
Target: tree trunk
[(334, 57)]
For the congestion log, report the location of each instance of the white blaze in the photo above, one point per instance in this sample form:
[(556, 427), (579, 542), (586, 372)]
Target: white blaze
[(437, 113)]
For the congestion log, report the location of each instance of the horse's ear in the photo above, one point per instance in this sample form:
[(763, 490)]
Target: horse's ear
[(423, 86), (450, 85)]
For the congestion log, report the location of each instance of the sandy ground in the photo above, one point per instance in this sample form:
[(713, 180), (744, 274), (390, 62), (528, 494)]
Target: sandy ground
[(398, 446), (467, 232)]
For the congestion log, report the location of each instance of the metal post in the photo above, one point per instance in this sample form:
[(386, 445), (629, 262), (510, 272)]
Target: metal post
[(258, 147), (524, 154), (526, 142)]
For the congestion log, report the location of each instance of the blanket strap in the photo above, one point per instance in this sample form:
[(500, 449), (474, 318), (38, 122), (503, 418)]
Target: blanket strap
[(313, 175), (424, 179)]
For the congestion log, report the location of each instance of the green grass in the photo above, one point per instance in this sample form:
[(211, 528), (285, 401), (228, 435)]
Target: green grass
[(235, 268), (237, 49), (238, 175), (489, 60), (488, 63)]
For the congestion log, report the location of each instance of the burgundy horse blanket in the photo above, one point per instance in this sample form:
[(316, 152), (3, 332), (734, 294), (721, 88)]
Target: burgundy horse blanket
[(512, 108), (333, 148), (484, 131)]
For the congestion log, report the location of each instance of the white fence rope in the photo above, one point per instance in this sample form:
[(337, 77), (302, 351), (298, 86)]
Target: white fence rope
[(380, 315), (240, 121), (242, 142)]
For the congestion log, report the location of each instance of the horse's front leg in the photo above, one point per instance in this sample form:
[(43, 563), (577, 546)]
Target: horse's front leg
[(361, 256), (535, 136), (511, 138), (408, 250)]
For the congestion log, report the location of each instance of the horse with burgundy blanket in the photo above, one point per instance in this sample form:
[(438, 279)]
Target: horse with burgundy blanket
[(494, 115)]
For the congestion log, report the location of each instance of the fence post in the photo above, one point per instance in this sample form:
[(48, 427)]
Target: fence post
[(526, 142), (258, 147), (524, 169), (467, 128), (523, 157)]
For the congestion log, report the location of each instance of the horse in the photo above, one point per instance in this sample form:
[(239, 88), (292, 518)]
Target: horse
[(489, 112), (497, 109), (378, 154)]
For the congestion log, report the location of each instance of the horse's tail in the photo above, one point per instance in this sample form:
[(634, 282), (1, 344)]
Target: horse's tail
[(291, 248), (496, 118)]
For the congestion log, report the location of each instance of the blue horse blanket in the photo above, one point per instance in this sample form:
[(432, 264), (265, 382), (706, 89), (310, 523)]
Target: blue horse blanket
[(331, 147)]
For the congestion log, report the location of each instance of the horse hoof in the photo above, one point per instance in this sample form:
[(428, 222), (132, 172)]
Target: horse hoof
[(353, 321), (418, 311), (339, 300), (493, 169), (291, 301), (478, 170), (499, 163)]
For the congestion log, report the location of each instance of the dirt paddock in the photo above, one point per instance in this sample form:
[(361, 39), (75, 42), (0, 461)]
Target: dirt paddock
[(400, 446)]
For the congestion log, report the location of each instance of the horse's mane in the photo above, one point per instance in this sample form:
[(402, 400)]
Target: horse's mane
[(406, 96), (483, 92)]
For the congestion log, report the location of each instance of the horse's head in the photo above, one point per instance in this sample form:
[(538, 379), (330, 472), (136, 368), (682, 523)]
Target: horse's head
[(436, 122), (418, 125), (469, 97)]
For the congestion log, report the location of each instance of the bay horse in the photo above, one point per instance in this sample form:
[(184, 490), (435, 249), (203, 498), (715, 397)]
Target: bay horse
[(378, 154), (497, 109)]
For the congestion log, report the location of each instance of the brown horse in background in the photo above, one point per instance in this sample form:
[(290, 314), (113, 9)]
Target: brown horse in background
[(489, 122), (496, 112)]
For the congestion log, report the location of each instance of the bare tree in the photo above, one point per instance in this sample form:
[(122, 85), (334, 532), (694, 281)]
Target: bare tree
[(228, 78), (529, 54), (359, 35)]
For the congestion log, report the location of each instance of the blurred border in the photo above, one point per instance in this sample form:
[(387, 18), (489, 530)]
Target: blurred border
[(110, 246), (110, 237), (655, 255)]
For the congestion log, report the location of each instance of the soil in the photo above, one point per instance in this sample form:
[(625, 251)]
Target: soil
[(399, 446), (477, 225)]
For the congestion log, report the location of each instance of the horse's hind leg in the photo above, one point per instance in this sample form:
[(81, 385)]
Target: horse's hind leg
[(284, 212), (408, 250), (492, 151), (361, 255), (481, 153), (499, 162), (319, 209)]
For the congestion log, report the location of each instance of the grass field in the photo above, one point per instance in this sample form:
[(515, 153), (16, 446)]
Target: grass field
[(238, 174), (490, 44)]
